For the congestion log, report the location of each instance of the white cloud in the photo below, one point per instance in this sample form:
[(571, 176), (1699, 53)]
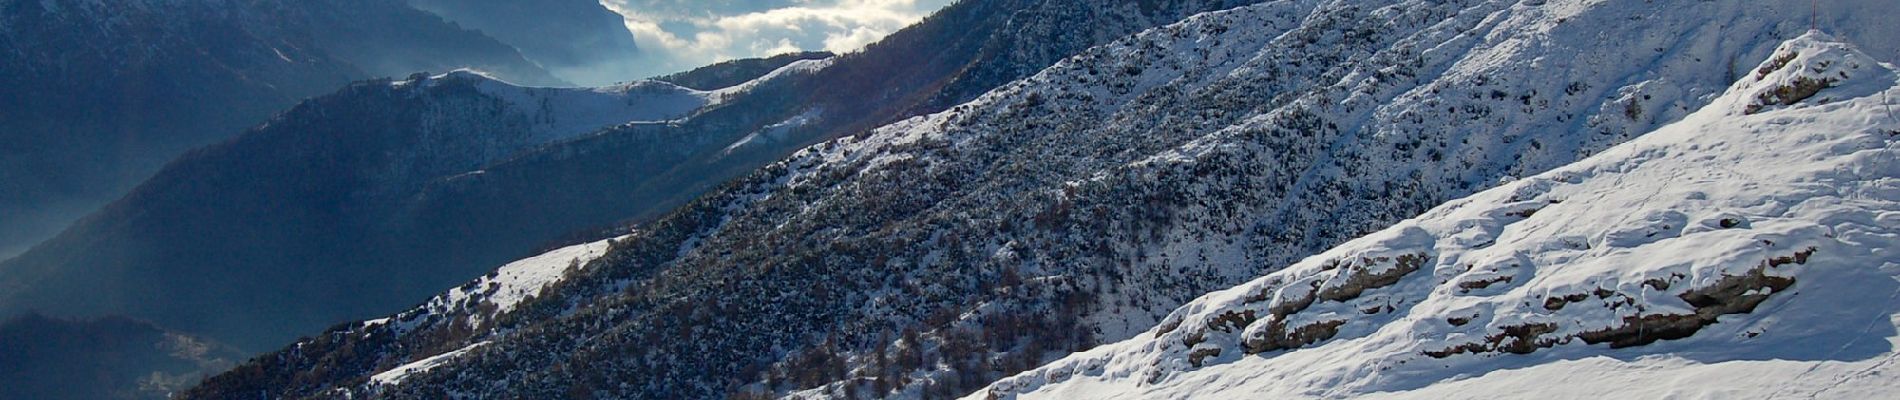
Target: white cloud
[(681, 34)]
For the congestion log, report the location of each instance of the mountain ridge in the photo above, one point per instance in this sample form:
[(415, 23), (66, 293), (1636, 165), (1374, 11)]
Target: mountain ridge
[(371, 144), (101, 94), (579, 41), (365, 183)]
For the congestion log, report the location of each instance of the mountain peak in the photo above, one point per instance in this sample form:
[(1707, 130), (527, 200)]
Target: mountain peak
[(468, 74), (1816, 68)]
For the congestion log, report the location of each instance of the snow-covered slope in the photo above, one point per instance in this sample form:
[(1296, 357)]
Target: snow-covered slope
[(795, 67), (484, 298), (734, 72), (560, 113), (1752, 249), (498, 292)]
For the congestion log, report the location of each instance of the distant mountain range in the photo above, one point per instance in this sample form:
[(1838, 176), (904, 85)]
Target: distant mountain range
[(366, 200), (577, 40), (100, 94), (310, 206)]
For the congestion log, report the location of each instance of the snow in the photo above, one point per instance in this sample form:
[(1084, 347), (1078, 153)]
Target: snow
[(1669, 376), (522, 279), (796, 67), (775, 132), (499, 292), (396, 375), (1525, 287), (483, 299), (560, 113)]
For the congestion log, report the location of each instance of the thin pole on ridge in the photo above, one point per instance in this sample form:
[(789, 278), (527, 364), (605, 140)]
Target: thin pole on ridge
[(1814, 15)]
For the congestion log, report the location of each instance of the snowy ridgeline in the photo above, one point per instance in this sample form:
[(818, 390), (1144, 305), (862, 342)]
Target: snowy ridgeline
[(1748, 249), (561, 113), (483, 299), (500, 291), (544, 116)]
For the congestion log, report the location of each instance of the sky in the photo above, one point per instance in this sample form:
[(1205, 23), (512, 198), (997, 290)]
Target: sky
[(677, 35)]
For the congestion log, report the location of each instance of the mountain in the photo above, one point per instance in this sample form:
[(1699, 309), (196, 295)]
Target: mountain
[(100, 94), (383, 193), (735, 72), (1081, 205), (390, 38), (319, 212), (577, 40), (1753, 241), (633, 174), (117, 358)]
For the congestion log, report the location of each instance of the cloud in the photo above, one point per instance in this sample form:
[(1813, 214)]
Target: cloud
[(682, 34)]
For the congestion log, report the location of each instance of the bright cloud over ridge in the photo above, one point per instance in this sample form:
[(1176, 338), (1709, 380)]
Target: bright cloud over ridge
[(677, 35)]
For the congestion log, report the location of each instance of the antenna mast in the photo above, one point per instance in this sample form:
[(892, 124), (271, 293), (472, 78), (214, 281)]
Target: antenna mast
[(1814, 15)]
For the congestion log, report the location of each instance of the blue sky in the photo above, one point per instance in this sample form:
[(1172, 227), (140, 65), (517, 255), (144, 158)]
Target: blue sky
[(676, 35)]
